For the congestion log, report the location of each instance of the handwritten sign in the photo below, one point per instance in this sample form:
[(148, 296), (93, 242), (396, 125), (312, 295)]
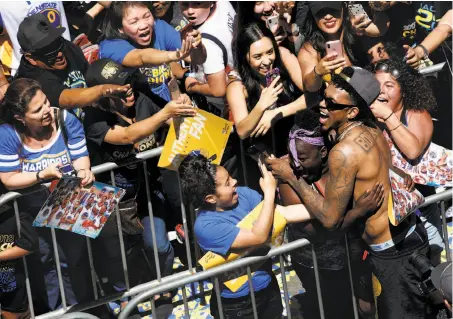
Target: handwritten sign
[(205, 132)]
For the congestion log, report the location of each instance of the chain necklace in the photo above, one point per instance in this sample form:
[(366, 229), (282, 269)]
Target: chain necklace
[(350, 127)]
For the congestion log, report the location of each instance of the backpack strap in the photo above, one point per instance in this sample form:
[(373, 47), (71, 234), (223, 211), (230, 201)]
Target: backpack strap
[(219, 44), (59, 116)]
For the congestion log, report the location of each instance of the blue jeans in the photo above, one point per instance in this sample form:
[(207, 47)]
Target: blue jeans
[(164, 247)]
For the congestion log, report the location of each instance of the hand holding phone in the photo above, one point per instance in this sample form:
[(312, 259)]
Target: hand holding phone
[(67, 170), (356, 10), (333, 47)]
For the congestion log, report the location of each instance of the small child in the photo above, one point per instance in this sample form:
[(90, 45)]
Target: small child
[(13, 294), (221, 205)]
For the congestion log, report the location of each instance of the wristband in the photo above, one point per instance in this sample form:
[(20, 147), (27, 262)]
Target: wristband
[(396, 127), (314, 71), (39, 179), (388, 116)]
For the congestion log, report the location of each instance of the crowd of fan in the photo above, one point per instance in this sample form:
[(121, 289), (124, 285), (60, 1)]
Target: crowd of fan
[(89, 83)]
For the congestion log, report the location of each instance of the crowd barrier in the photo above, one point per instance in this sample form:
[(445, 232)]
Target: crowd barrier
[(190, 276)]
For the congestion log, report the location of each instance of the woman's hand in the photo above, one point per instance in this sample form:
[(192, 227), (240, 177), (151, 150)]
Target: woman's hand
[(285, 9), (268, 183), (51, 172), (381, 110), (270, 94), (196, 38), (409, 184), (184, 52), (265, 123), (86, 175), (179, 107), (370, 201), (329, 63), (360, 23)]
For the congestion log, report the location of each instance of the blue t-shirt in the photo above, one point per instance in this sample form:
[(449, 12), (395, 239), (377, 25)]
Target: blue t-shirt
[(165, 38), (216, 232), (14, 156)]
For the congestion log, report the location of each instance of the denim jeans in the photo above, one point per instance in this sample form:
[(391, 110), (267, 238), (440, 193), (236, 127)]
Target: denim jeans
[(164, 247)]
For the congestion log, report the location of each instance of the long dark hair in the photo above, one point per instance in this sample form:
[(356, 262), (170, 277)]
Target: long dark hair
[(113, 20), (246, 36), (16, 100), (315, 36)]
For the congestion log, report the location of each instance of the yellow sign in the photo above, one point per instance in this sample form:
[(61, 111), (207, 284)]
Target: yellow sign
[(205, 132), (210, 259)]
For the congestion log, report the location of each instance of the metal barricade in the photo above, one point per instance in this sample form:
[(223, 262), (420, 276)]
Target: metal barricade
[(164, 284)]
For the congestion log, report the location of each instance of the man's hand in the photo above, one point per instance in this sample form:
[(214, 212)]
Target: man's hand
[(414, 55), (360, 23), (179, 108), (113, 90), (280, 168), (370, 201)]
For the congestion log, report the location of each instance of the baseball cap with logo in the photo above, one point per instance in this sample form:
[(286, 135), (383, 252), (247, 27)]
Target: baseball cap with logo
[(107, 71), (36, 32)]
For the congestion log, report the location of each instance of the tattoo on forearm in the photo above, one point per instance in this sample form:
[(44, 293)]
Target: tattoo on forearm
[(367, 139)]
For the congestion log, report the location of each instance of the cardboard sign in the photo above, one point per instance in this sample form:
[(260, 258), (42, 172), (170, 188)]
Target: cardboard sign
[(205, 132), (79, 210), (401, 202), (210, 259)]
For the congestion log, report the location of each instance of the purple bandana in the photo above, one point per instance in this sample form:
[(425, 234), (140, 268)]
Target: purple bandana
[(305, 136)]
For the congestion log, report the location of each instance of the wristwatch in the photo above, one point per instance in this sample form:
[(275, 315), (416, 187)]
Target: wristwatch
[(39, 179)]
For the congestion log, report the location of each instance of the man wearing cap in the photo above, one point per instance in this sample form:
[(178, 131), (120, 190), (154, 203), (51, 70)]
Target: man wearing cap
[(360, 159), (58, 65)]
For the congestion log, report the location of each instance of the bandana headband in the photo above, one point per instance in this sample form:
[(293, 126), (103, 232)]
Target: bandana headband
[(305, 136)]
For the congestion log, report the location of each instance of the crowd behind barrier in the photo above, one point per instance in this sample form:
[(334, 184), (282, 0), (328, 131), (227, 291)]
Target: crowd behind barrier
[(314, 92)]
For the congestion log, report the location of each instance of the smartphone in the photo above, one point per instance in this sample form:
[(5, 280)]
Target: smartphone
[(357, 10), (334, 46), (67, 170), (273, 22), (261, 160), (271, 75), (174, 89)]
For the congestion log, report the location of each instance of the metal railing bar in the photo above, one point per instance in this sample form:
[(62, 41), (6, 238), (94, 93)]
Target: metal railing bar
[(318, 283), (151, 222), (351, 281), (432, 69), (213, 272), (184, 299), (252, 292), (437, 198), (285, 286), (218, 296), (58, 267), (93, 272), (24, 261), (445, 230), (120, 236)]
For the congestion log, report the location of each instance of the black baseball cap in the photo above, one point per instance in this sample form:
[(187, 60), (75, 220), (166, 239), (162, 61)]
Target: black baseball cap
[(316, 6), (364, 83), (441, 278), (107, 71), (36, 32)]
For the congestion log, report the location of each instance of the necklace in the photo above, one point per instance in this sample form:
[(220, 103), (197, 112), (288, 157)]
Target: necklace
[(350, 127)]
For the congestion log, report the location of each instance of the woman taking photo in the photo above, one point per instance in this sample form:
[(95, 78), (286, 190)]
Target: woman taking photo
[(32, 148), (256, 107), (403, 108)]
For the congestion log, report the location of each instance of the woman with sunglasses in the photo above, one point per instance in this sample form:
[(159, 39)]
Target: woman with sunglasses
[(33, 146), (402, 109)]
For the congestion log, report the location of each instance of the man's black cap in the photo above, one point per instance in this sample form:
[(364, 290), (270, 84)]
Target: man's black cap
[(36, 32), (107, 71), (316, 6), (364, 83)]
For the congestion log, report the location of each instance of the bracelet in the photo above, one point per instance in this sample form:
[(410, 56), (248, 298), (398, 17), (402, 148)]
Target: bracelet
[(314, 71), (39, 179), (425, 51), (396, 127), (388, 116)]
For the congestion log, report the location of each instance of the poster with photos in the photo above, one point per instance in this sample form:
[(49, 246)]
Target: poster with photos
[(77, 209)]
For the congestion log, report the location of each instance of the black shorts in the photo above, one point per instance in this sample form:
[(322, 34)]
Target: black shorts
[(268, 304), (15, 301), (395, 279)]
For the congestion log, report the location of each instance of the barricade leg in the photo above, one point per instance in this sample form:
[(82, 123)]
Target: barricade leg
[(252, 293), (318, 283), (93, 272), (285, 286), (351, 282), (445, 230)]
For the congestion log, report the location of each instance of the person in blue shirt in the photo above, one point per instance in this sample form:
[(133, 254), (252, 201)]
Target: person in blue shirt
[(135, 39), (222, 204), (32, 148)]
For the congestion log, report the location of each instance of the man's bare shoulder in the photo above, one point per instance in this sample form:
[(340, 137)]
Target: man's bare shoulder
[(362, 140)]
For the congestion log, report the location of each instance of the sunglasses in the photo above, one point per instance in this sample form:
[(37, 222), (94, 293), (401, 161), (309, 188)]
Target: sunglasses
[(332, 106), (50, 53), (384, 67)]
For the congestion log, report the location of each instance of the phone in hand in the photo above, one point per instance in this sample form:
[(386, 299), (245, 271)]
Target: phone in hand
[(67, 170), (273, 22), (262, 160), (357, 10), (334, 46), (271, 75), (175, 93)]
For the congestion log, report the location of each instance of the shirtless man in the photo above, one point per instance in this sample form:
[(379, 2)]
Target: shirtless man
[(359, 160)]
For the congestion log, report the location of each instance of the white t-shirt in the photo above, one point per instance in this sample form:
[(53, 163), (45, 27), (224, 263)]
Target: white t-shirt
[(14, 12), (219, 25)]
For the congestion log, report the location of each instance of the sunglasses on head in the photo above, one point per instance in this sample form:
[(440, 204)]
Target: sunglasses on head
[(384, 67), (332, 105), (50, 53)]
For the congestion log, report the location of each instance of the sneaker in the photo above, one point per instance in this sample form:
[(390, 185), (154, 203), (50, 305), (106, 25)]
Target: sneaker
[(180, 233)]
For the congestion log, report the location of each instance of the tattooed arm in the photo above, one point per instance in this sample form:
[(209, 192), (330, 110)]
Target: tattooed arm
[(330, 211)]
